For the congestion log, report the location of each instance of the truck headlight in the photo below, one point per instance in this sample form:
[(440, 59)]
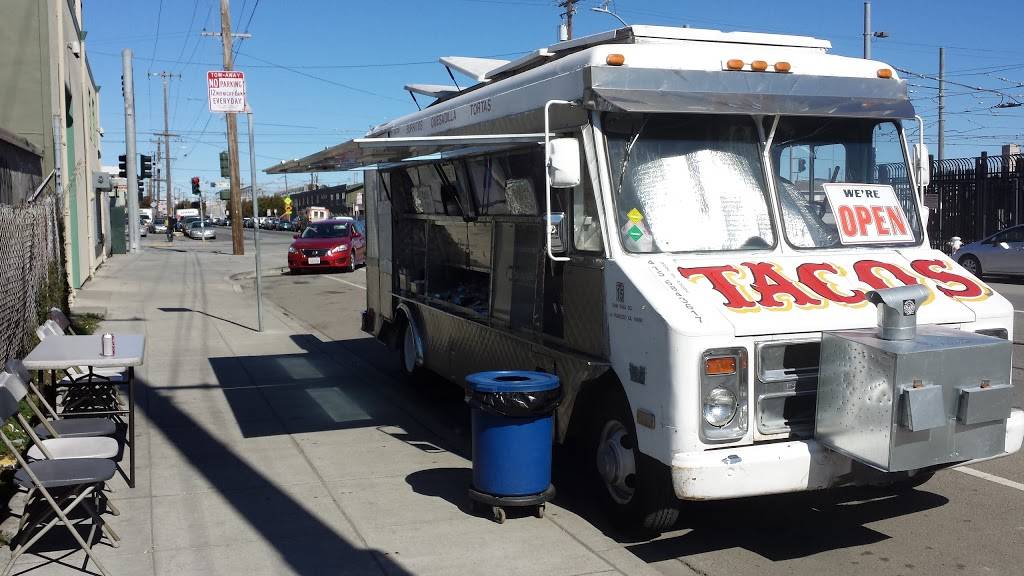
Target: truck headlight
[(723, 394), (719, 407)]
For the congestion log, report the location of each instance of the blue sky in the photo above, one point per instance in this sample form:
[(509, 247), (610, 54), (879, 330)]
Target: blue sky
[(322, 71)]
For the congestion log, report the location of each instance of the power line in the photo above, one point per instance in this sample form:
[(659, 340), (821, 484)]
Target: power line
[(961, 84), (156, 39), (322, 79)]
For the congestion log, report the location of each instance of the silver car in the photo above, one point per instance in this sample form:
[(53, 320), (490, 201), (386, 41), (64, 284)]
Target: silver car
[(1000, 253), (198, 230)]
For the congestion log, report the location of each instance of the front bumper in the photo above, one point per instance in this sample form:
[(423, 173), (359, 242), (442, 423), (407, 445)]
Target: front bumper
[(779, 467), (300, 261)]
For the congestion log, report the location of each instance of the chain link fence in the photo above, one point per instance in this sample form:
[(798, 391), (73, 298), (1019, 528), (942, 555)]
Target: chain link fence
[(32, 278)]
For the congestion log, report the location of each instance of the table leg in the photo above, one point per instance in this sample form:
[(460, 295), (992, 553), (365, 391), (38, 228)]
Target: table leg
[(131, 426), (51, 390)]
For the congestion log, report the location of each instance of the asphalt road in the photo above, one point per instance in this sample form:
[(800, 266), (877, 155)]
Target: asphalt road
[(960, 522)]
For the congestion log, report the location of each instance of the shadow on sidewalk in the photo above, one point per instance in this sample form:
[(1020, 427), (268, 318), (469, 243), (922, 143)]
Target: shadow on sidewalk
[(208, 315), (303, 541)]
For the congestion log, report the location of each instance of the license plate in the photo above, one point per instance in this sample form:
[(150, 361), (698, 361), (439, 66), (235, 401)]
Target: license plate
[(314, 260)]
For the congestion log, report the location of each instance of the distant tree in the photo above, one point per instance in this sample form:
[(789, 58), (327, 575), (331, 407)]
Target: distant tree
[(147, 202)]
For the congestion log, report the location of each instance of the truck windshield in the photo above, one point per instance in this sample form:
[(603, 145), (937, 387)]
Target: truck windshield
[(688, 183), (810, 153)]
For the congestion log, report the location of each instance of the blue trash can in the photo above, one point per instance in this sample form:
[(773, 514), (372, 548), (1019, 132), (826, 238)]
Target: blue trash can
[(513, 419)]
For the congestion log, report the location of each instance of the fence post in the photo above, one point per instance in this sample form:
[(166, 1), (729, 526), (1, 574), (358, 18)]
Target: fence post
[(981, 201)]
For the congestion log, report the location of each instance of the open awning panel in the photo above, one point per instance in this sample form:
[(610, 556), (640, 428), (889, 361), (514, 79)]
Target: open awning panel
[(362, 152)]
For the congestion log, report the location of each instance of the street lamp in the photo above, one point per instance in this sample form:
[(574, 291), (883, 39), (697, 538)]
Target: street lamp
[(604, 9)]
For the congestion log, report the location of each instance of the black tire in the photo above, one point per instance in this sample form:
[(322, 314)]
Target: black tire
[(972, 264), (642, 500), (351, 264)]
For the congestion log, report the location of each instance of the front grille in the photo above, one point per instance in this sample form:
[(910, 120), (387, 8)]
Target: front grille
[(786, 387), (314, 252)]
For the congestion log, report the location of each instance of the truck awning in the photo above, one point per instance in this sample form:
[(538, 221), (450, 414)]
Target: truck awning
[(704, 92), (362, 152)]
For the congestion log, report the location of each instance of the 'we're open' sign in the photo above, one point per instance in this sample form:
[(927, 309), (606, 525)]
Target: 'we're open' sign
[(868, 214)]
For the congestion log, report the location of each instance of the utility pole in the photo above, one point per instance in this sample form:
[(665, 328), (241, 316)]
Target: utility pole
[(570, 10), (867, 30), (129, 138), (156, 179), (942, 103), (166, 76), (237, 239)]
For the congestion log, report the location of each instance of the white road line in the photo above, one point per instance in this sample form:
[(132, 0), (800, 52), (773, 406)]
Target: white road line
[(990, 477), (360, 286)]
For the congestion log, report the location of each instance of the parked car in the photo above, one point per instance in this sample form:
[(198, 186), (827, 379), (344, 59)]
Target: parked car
[(285, 225), (143, 226), (1000, 253), (199, 230), (247, 222), (332, 244), (159, 226), (269, 224)]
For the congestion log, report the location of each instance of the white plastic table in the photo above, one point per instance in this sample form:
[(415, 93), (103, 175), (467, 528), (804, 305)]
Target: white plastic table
[(66, 352)]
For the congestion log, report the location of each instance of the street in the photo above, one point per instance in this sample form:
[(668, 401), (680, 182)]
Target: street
[(960, 522)]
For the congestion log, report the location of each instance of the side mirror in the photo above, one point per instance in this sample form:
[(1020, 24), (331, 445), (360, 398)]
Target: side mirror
[(556, 228), (922, 164), (564, 162)]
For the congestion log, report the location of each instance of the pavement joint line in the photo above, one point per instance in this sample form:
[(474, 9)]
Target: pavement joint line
[(990, 477), (360, 286)]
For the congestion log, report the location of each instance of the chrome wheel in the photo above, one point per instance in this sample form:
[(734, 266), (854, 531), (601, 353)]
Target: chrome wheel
[(971, 264), (616, 462), (409, 350)]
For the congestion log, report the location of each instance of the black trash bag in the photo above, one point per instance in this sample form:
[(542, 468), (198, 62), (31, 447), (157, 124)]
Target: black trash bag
[(517, 404)]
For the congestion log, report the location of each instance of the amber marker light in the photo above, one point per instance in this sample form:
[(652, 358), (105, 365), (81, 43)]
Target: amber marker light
[(615, 60), (720, 365), (885, 73), (758, 65), (734, 64), (783, 67)]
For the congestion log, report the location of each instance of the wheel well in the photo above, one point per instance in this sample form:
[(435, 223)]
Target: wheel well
[(604, 388)]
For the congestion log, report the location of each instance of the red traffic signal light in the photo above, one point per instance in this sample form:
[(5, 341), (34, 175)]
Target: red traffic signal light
[(195, 185)]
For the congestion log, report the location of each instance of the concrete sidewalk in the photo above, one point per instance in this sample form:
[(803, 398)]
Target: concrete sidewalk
[(277, 453)]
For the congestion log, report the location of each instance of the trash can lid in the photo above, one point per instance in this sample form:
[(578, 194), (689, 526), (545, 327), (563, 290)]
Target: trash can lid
[(512, 381)]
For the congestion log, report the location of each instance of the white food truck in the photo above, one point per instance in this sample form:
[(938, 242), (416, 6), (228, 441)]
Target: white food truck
[(699, 233)]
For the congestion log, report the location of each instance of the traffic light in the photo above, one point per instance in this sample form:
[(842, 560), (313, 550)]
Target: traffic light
[(145, 166), (195, 185), (225, 166), (122, 166), (142, 190)]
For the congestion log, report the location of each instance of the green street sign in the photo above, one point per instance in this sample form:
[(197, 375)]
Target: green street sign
[(635, 233)]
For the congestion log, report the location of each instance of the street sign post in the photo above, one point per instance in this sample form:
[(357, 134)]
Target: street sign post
[(225, 91)]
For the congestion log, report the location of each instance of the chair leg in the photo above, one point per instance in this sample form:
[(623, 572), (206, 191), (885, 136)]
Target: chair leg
[(63, 519)]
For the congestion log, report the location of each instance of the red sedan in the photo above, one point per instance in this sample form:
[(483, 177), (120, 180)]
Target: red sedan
[(332, 244)]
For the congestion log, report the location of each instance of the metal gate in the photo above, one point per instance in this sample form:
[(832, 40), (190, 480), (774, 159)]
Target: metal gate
[(974, 197)]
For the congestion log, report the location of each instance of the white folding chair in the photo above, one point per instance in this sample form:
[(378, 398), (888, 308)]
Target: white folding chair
[(51, 424)]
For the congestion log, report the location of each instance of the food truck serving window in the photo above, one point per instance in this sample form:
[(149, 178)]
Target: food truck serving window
[(843, 182), (687, 183)]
